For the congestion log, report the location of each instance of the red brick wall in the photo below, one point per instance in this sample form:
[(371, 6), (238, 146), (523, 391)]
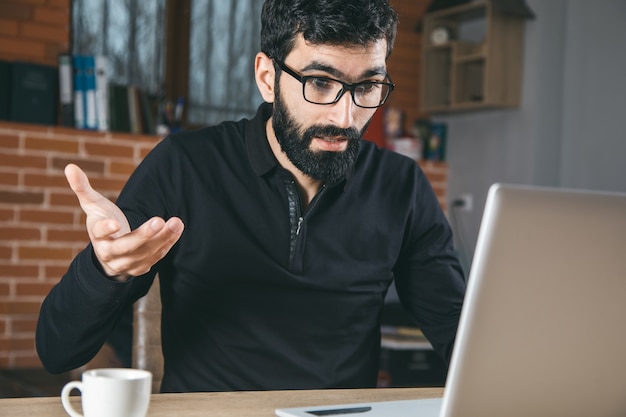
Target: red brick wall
[(41, 223), (34, 30)]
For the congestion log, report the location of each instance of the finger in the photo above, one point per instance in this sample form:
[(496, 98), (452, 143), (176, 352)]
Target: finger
[(119, 254), (165, 235), (104, 229), (175, 225), (132, 242), (162, 242), (135, 253)]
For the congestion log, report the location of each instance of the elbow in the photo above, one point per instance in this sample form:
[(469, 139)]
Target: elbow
[(49, 361), (54, 357)]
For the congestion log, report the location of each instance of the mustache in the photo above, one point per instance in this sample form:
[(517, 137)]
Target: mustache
[(350, 133)]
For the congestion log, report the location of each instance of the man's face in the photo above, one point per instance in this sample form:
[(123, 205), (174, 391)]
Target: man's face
[(322, 141), (296, 142)]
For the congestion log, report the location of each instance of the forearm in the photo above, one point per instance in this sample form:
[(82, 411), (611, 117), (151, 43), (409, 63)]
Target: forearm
[(435, 302), (431, 282), (78, 314)]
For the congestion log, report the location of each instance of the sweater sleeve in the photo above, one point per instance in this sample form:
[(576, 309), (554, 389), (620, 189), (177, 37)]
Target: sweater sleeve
[(429, 277), (80, 312)]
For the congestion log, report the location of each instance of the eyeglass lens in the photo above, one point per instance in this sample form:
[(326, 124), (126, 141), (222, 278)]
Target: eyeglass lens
[(326, 91)]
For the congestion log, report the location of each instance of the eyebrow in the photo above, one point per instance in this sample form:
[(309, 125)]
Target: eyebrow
[(319, 66)]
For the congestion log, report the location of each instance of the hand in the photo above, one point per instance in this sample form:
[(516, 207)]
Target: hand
[(122, 253)]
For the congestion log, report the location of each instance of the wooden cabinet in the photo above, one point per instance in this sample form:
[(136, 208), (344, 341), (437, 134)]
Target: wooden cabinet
[(471, 58)]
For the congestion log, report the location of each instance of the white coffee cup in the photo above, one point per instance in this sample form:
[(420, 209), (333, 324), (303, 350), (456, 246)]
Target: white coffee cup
[(110, 392)]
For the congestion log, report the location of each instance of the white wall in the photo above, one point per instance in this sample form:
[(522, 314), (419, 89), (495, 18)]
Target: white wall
[(570, 129)]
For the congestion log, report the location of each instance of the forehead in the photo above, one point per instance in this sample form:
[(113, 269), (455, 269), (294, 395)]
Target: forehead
[(348, 60)]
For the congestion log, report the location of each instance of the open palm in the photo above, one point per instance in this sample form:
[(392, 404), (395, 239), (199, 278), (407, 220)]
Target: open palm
[(121, 252)]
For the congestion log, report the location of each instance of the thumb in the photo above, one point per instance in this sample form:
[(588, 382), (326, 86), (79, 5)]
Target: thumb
[(79, 183), (96, 206)]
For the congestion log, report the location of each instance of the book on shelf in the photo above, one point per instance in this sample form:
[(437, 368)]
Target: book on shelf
[(118, 108), (102, 92), (89, 93), (134, 109), (433, 136), (436, 142), (79, 90), (83, 91), (66, 90), (5, 88), (33, 93), (148, 112)]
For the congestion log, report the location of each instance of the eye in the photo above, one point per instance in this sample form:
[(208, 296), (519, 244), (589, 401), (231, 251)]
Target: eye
[(322, 84), (367, 88)]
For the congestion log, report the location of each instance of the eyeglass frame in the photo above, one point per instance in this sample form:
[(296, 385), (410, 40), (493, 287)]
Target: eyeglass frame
[(344, 86)]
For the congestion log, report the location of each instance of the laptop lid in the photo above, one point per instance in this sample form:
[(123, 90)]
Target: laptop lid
[(541, 328)]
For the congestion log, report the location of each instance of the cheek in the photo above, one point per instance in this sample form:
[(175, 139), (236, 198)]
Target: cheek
[(363, 117), (307, 114)]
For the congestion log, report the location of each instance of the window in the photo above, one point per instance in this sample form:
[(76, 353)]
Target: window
[(224, 38), (214, 54), (129, 33)]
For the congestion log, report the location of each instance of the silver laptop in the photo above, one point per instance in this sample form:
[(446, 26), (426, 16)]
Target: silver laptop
[(542, 331)]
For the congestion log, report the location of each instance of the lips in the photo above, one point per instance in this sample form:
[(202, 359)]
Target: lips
[(333, 144), (335, 139)]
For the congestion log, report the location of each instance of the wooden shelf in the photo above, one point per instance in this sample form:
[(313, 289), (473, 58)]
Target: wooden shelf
[(479, 66)]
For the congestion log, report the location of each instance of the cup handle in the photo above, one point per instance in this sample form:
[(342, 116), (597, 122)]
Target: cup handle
[(65, 397)]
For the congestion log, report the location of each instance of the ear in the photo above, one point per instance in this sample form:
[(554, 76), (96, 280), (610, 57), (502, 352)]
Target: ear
[(264, 74)]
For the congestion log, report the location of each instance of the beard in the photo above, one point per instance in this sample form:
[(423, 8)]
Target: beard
[(327, 166)]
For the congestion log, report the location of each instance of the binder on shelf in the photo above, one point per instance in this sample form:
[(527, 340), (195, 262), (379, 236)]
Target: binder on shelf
[(134, 110), (89, 97), (147, 113), (5, 89), (66, 90), (118, 108), (102, 92), (79, 91), (33, 96)]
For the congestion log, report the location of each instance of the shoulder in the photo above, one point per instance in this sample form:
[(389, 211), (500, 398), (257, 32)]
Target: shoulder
[(384, 162), (214, 142), (391, 176), (228, 132)]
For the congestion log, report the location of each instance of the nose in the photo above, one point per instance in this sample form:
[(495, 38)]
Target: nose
[(341, 113)]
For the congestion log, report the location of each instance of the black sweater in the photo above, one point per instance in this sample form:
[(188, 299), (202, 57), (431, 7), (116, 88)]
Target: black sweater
[(243, 308)]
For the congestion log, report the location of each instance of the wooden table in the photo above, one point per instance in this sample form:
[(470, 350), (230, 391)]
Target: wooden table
[(226, 404)]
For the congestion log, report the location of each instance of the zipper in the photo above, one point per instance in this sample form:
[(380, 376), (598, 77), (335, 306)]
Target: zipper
[(300, 220)]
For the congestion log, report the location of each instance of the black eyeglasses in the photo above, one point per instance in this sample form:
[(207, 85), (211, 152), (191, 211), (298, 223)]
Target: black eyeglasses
[(324, 90)]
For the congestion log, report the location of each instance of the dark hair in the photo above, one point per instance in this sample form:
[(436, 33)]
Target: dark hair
[(330, 22)]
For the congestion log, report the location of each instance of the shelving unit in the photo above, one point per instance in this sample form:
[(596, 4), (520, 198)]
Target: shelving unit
[(478, 65)]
